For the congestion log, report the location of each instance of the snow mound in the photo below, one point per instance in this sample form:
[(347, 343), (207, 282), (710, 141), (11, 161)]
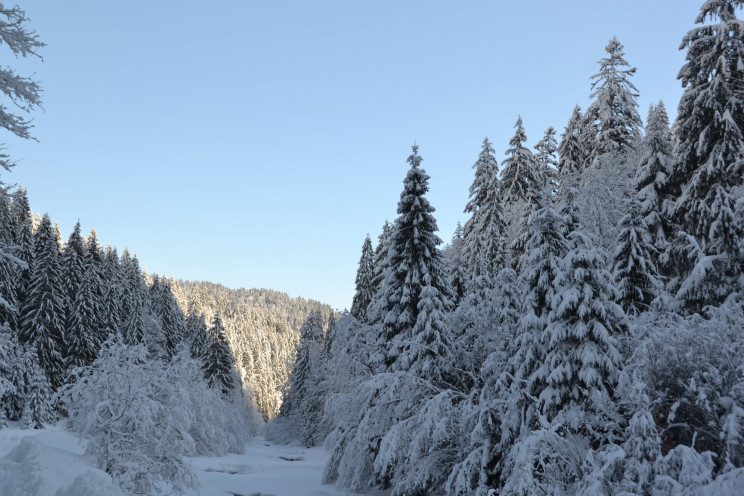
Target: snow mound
[(34, 468)]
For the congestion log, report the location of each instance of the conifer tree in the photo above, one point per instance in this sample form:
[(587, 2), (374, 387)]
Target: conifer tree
[(571, 155), (635, 272), (414, 263), (614, 109), (112, 293), (82, 339), (582, 361), (381, 264), (656, 160), (12, 376), (22, 240), (484, 232), (706, 178), (520, 180), (38, 409), (94, 265), (364, 287), (169, 314), (73, 265), (546, 158), (43, 314), (457, 276), (196, 334), (134, 296), (219, 365)]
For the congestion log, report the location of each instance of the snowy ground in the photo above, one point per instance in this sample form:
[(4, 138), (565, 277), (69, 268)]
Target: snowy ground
[(50, 462)]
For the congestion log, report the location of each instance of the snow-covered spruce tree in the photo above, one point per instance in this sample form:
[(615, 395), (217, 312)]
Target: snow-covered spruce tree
[(112, 292), (484, 229), (521, 385), (302, 408), (196, 333), (42, 315), (381, 263), (414, 263), (614, 110), (38, 407), (651, 176), (73, 266), (94, 265), (520, 186), (218, 362), (520, 181), (582, 362), (364, 287), (638, 281), (457, 277), (12, 376), (570, 152), (82, 339), (547, 158), (134, 298), (168, 314), (23, 242), (23, 92), (706, 178)]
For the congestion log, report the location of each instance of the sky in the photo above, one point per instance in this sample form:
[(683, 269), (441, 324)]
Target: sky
[(256, 144)]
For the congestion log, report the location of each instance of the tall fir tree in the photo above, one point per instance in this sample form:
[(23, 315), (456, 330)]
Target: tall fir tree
[(169, 315), (134, 298), (706, 178), (570, 151), (43, 313), (613, 112), (364, 286), (520, 181), (457, 276), (651, 177), (82, 339), (635, 271), (414, 263), (219, 364), (547, 158), (381, 265), (484, 232)]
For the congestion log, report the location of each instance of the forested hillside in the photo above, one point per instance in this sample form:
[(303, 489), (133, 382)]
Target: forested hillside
[(583, 332), (263, 329)]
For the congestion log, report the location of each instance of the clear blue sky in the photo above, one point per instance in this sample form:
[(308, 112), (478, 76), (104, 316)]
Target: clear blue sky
[(255, 144)]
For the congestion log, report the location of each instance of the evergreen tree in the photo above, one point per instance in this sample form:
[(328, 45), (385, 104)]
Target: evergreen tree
[(38, 408), (520, 181), (82, 339), (706, 178), (169, 315), (218, 364), (73, 266), (570, 151), (134, 296), (364, 286), (113, 291), (196, 334), (23, 241), (656, 160), (614, 109), (42, 317), (94, 265), (635, 272), (546, 158), (381, 263), (582, 362), (484, 232), (12, 376), (414, 263), (486, 177), (457, 277)]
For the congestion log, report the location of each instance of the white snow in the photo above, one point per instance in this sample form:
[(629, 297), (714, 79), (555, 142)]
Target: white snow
[(51, 462)]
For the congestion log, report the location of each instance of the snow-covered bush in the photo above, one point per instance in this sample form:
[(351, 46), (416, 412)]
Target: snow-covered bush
[(143, 416)]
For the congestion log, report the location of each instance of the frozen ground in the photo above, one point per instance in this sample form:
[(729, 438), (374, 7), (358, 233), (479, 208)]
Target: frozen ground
[(50, 462)]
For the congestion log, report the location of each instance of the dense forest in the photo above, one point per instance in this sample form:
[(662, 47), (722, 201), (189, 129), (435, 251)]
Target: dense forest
[(582, 333)]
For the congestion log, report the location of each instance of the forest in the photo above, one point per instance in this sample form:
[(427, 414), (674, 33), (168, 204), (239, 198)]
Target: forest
[(581, 333)]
